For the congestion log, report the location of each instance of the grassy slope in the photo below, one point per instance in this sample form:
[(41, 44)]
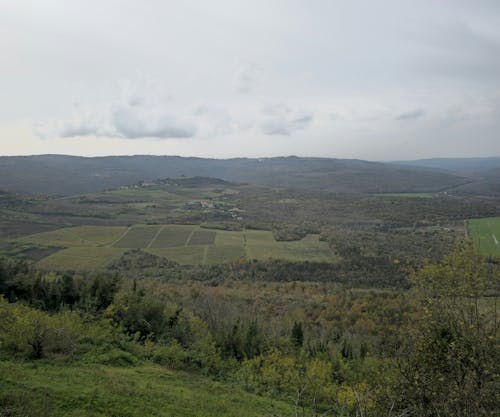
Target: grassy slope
[(48, 389)]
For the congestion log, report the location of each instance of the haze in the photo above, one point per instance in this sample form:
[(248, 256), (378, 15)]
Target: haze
[(375, 80)]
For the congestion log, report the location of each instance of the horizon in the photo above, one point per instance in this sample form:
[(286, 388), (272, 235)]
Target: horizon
[(251, 157), (389, 80)]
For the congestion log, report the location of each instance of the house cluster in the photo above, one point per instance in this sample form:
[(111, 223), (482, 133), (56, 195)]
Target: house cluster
[(235, 212)]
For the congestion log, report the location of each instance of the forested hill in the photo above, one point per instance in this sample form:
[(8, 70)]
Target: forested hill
[(461, 166), (65, 175)]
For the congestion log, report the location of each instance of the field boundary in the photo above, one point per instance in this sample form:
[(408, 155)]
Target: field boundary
[(205, 255), (156, 236), (121, 237), (246, 248), (69, 232), (186, 243)]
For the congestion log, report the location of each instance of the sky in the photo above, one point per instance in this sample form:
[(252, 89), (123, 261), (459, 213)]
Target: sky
[(377, 80)]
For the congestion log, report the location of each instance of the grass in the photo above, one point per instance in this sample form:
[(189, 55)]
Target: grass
[(46, 389), (185, 255), (77, 236), (202, 237), (99, 235), (90, 247), (137, 237), (61, 237), (484, 232), (80, 258), (224, 238), (308, 249), (172, 235), (221, 254)]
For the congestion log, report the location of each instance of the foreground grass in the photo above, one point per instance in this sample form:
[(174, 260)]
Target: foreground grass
[(49, 389)]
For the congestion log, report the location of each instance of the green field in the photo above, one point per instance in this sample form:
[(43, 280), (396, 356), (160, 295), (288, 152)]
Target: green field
[(80, 258), (77, 236), (172, 235), (202, 237), (57, 390), (137, 237), (486, 233), (90, 247)]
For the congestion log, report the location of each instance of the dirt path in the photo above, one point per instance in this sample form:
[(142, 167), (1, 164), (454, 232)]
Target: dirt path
[(246, 248), (205, 254), (186, 243), (495, 239), (155, 236), (121, 237)]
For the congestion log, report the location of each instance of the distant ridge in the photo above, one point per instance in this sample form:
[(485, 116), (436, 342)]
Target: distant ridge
[(467, 166), (65, 174)]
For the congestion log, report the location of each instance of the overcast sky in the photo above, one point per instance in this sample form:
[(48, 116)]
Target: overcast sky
[(371, 79)]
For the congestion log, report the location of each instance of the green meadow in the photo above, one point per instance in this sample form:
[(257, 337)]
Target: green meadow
[(78, 390), (91, 247), (486, 233)]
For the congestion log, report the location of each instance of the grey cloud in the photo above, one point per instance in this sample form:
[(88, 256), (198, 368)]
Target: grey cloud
[(458, 49), (132, 124), (280, 120), (131, 121), (246, 78), (411, 115), (69, 130)]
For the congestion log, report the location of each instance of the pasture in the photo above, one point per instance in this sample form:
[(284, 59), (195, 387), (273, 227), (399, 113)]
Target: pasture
[(486, 234), (91, 247)]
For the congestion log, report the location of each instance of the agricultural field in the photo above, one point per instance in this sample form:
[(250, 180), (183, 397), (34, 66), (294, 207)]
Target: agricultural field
[(171, 236), (90, 247), (486, 233), (77, 236), (137, 237), (80, 258)]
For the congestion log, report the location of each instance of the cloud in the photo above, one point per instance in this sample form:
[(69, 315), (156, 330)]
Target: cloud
[(133, 122), (281, 120), (246, 78), (411, 115), (133, 116)]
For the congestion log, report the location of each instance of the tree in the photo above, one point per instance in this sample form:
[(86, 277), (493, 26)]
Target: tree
[(297, 335), (449, 362)]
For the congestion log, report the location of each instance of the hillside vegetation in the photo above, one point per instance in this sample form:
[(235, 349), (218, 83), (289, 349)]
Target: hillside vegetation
[(67, 175)]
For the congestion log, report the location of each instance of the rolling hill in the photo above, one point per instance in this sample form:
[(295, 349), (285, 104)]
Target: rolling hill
[(66, 175)]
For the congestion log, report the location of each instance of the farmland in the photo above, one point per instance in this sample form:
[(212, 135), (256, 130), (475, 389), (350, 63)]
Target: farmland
[(90, 247), (486, 233)]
